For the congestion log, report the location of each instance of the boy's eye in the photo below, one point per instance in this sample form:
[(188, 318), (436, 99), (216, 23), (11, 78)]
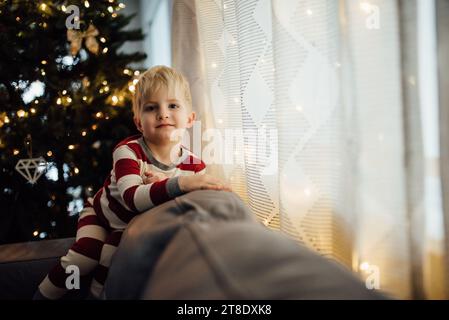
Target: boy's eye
[(173, 105), (149, 108)]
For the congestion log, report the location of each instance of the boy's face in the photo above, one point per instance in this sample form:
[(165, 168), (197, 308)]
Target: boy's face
[(162, 114)]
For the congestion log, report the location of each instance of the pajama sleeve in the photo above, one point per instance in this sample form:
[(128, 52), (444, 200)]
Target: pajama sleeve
[(140, 197)]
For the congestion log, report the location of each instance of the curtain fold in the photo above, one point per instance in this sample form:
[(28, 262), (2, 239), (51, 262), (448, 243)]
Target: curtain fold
[(413, 157), (442, 9), (188, 57), (316, 119)]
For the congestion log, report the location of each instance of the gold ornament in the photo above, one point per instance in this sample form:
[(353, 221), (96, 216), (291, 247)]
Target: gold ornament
[(76, 38)]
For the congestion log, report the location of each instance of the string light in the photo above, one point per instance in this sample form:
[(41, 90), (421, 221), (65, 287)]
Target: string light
[(76, 170), (15, 152), (114, 15), (58, 101), (104, 82), (49, 153), (43, 7), (69, 100), (44, 62), (71, 147), (33, 110), (365, 6), (6, 120), (135, 81), (43, 72), (64, 91), (307, 192), (105, 50), (122, 5), (110, 9), (99, 114), (35, 233), (103, 39), (364, 266), (380, 137), (20, 113), (127, 71), (83, 133), (63, 8), (136, 73), (94, 127), (86, 4), (18, 19), (114, 100), (132, 88), (36, 101), (84, 98)]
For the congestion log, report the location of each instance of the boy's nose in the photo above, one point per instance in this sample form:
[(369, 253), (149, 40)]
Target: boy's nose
[(162, 115)]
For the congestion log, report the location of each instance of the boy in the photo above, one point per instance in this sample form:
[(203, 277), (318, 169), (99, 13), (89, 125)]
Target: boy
[(148, 169)]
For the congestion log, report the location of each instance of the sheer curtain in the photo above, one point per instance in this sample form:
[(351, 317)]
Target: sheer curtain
[(313, 111)]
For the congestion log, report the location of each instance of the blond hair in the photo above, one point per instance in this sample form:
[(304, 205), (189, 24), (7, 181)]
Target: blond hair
[(151, 81)]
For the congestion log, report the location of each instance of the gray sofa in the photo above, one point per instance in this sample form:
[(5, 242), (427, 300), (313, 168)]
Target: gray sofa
[(24, 265), (202, 245)]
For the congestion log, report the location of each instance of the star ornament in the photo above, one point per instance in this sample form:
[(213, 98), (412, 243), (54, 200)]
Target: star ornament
[(31, 169)]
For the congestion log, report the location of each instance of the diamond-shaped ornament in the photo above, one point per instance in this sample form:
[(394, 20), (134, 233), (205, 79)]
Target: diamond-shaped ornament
[(31, 169)]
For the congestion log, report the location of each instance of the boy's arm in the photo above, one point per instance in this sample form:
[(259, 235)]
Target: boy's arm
[(140, 197)]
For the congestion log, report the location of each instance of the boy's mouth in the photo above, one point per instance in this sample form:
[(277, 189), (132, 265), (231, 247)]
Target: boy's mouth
[(164, 125)]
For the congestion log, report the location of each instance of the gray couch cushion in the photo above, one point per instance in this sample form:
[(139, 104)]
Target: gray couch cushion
[(24, 265), (207, 245)]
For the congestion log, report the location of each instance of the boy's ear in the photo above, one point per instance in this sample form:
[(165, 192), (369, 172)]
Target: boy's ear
[(138, 124), (191, 119)]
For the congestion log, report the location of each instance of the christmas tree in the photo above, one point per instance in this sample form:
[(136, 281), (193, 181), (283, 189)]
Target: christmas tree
[(65, 96)]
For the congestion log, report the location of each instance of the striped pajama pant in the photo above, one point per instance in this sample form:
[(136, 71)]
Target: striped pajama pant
[(91, 253)]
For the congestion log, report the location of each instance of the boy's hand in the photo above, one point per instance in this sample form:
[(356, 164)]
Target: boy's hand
[(201, 182), (151, 177)]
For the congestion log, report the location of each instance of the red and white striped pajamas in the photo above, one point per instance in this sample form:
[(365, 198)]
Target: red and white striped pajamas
[(123, 196)]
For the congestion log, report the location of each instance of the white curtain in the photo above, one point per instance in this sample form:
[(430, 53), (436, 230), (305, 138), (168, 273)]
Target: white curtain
[(317, 107)]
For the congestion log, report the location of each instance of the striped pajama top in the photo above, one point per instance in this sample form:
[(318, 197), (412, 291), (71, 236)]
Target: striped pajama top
[(124, 195)]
